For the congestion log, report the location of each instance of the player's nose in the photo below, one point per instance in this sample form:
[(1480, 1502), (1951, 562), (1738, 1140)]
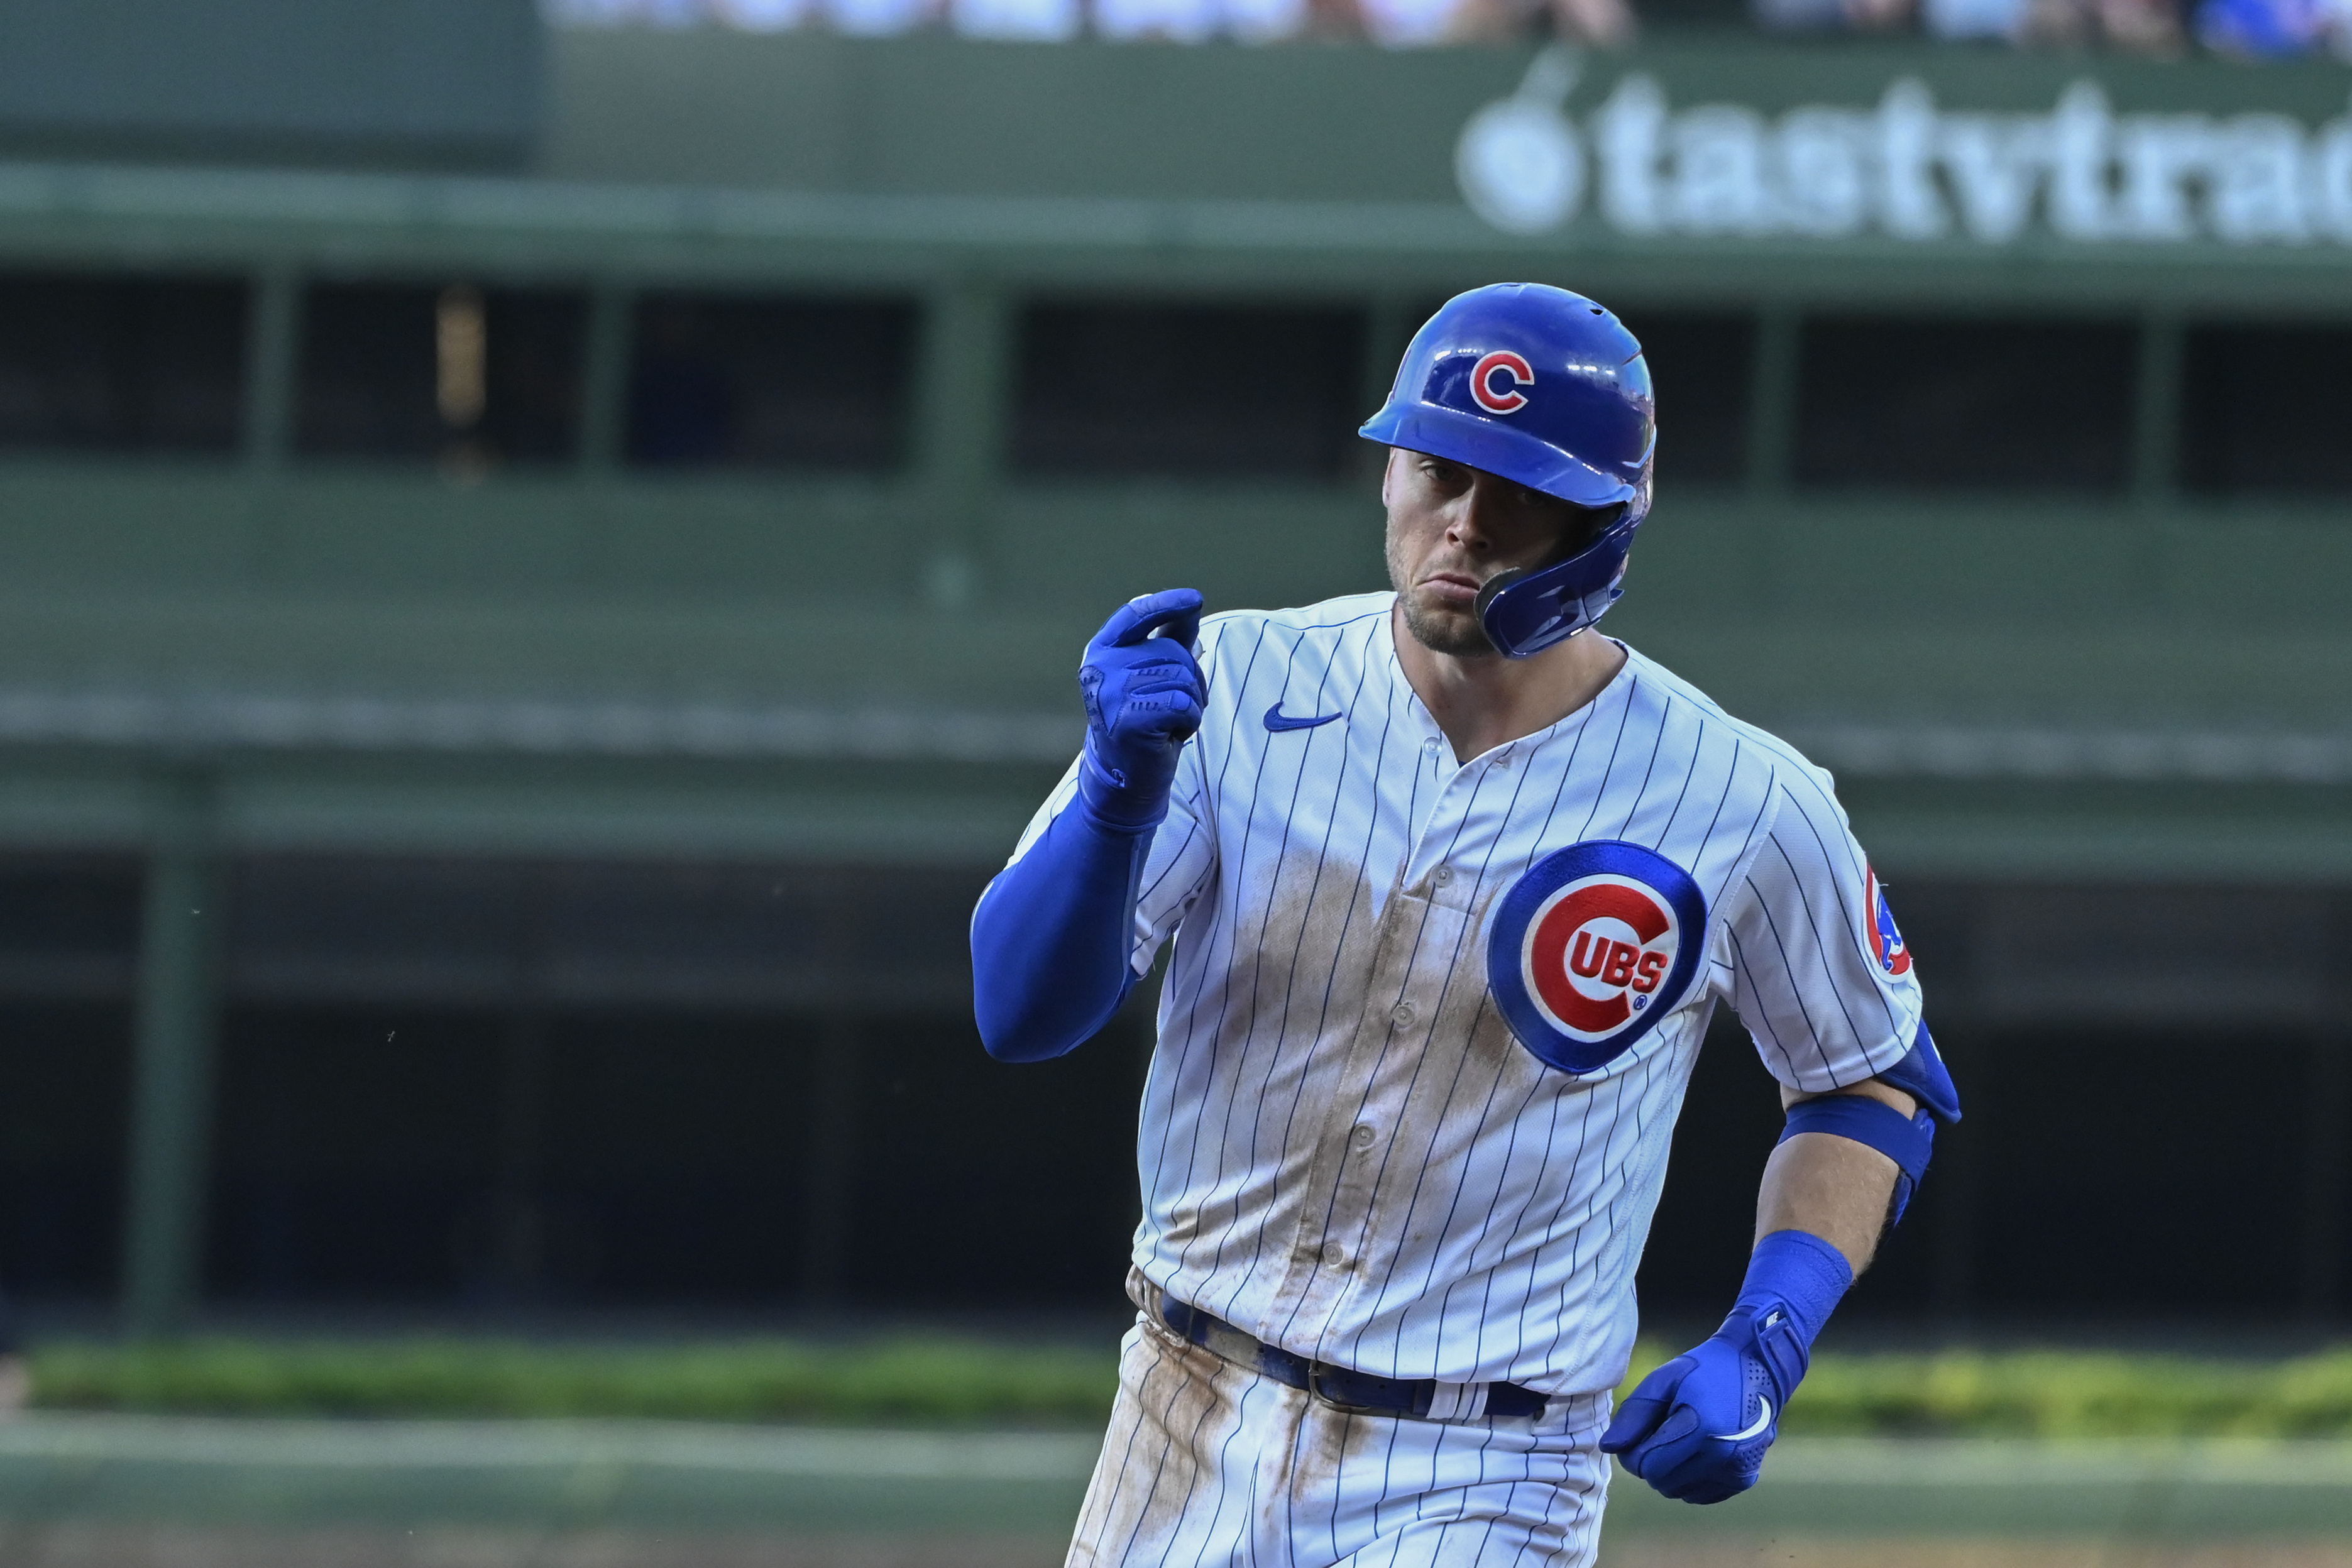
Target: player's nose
[(1470, 519)]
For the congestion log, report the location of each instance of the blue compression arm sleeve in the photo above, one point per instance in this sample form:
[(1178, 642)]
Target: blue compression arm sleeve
[(1051, 937)]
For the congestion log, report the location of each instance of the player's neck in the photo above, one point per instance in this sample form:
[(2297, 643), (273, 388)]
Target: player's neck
[(1481, 702)]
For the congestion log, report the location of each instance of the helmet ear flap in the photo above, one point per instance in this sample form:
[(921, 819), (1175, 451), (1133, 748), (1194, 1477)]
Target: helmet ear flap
[(1524, 612), (1490, 590)]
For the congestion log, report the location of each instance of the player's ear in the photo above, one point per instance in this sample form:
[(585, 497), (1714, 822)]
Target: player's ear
[(1388, 476)]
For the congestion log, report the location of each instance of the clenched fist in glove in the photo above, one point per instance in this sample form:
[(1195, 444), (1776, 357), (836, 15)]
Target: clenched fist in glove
[(1144, 695), (1696, 1429)]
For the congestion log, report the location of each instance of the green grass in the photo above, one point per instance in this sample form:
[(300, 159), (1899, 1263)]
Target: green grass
[(949, 1382)]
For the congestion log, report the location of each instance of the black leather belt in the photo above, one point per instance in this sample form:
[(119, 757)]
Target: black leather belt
[(1359, 1393)]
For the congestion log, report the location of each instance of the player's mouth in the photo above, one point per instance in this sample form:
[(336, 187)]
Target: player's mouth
[(1453, 589)]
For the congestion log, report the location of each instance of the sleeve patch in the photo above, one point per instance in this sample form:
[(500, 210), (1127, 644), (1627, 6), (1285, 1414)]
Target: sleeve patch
[(1886, 944)]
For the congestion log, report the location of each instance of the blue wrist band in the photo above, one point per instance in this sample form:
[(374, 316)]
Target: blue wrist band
[(1795, 1280), (1908, 1141), (1799, 1273)]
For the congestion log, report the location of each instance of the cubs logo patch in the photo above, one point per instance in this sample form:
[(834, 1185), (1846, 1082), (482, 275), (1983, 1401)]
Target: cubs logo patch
[(1591, 947), (1512, 371), (1886, 943)]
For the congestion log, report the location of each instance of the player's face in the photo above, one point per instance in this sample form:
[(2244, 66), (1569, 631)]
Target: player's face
[(1451, 528)]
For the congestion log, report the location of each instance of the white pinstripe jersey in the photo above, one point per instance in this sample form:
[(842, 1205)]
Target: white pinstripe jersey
[(1343, 1147)]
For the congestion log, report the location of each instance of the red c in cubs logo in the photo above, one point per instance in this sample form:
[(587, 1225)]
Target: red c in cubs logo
[(1597, 951), (1501, 363)]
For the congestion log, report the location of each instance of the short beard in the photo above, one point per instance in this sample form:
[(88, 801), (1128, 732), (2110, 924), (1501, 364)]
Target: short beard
[(1440, 633), (1446, 636)]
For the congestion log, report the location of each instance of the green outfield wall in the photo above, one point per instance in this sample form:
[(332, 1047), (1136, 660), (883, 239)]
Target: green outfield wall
[(1887, 624)]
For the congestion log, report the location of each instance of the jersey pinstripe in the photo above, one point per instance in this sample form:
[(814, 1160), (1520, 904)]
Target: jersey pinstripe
[(1342, 1147)]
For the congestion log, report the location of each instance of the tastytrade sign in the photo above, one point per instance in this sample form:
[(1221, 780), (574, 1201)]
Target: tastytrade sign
[(1904, 167)]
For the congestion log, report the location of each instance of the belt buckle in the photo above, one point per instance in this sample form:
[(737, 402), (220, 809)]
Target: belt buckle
[(1315, 1371)]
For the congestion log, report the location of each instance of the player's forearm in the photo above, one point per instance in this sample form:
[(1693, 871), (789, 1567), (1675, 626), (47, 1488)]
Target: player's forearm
[(1051, 939), (1831, 1187)]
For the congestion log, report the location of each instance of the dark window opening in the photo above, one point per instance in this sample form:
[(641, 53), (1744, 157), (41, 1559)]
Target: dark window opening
[(404, 1152), (493, 1081), (352, 1153), (121, 364), (465, 376), (62, 1139), (2267, 409), (1703, 367), (2077, 1222), (68, 910), (1188, 392), (820, 384), (2014, 405), (329, 929)]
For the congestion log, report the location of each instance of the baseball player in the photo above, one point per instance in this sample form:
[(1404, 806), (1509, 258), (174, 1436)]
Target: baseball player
[(1454, 883)]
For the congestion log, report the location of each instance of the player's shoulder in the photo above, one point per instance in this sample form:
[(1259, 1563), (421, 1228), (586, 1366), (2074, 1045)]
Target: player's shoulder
[(1805, 781), (1303, 629)]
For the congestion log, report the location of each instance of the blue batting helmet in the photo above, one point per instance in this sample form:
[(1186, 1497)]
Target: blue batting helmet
[(1546, 388)]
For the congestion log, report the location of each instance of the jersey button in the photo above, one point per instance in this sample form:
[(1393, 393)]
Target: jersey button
[(1402, 1015), (1442, 875), (1362, 1136), (1430, 746), (1334, 1254)]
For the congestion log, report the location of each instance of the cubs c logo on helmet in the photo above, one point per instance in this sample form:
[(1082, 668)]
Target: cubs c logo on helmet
[(1512, 371), (1886, 943), (1591, 947)]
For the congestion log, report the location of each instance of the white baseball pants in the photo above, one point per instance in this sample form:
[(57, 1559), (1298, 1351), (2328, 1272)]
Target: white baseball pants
[(1209, 1465)]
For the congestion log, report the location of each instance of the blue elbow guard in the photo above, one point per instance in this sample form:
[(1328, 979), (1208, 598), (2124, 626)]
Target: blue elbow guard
[(1908, 1141)]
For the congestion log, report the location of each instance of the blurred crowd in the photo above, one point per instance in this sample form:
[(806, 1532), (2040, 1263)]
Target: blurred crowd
[(2257, 29)]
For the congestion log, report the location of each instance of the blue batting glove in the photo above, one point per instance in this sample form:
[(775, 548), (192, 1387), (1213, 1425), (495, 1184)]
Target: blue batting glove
[(1696, 1429), (1144, 695)]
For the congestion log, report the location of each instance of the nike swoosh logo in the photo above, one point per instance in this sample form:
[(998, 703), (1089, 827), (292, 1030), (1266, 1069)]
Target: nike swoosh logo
[(1277, 720), (1756, 1431)]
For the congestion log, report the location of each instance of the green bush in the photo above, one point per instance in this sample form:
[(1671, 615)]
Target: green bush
[(911, 1380), (2069, 1393), (949, 1382)]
